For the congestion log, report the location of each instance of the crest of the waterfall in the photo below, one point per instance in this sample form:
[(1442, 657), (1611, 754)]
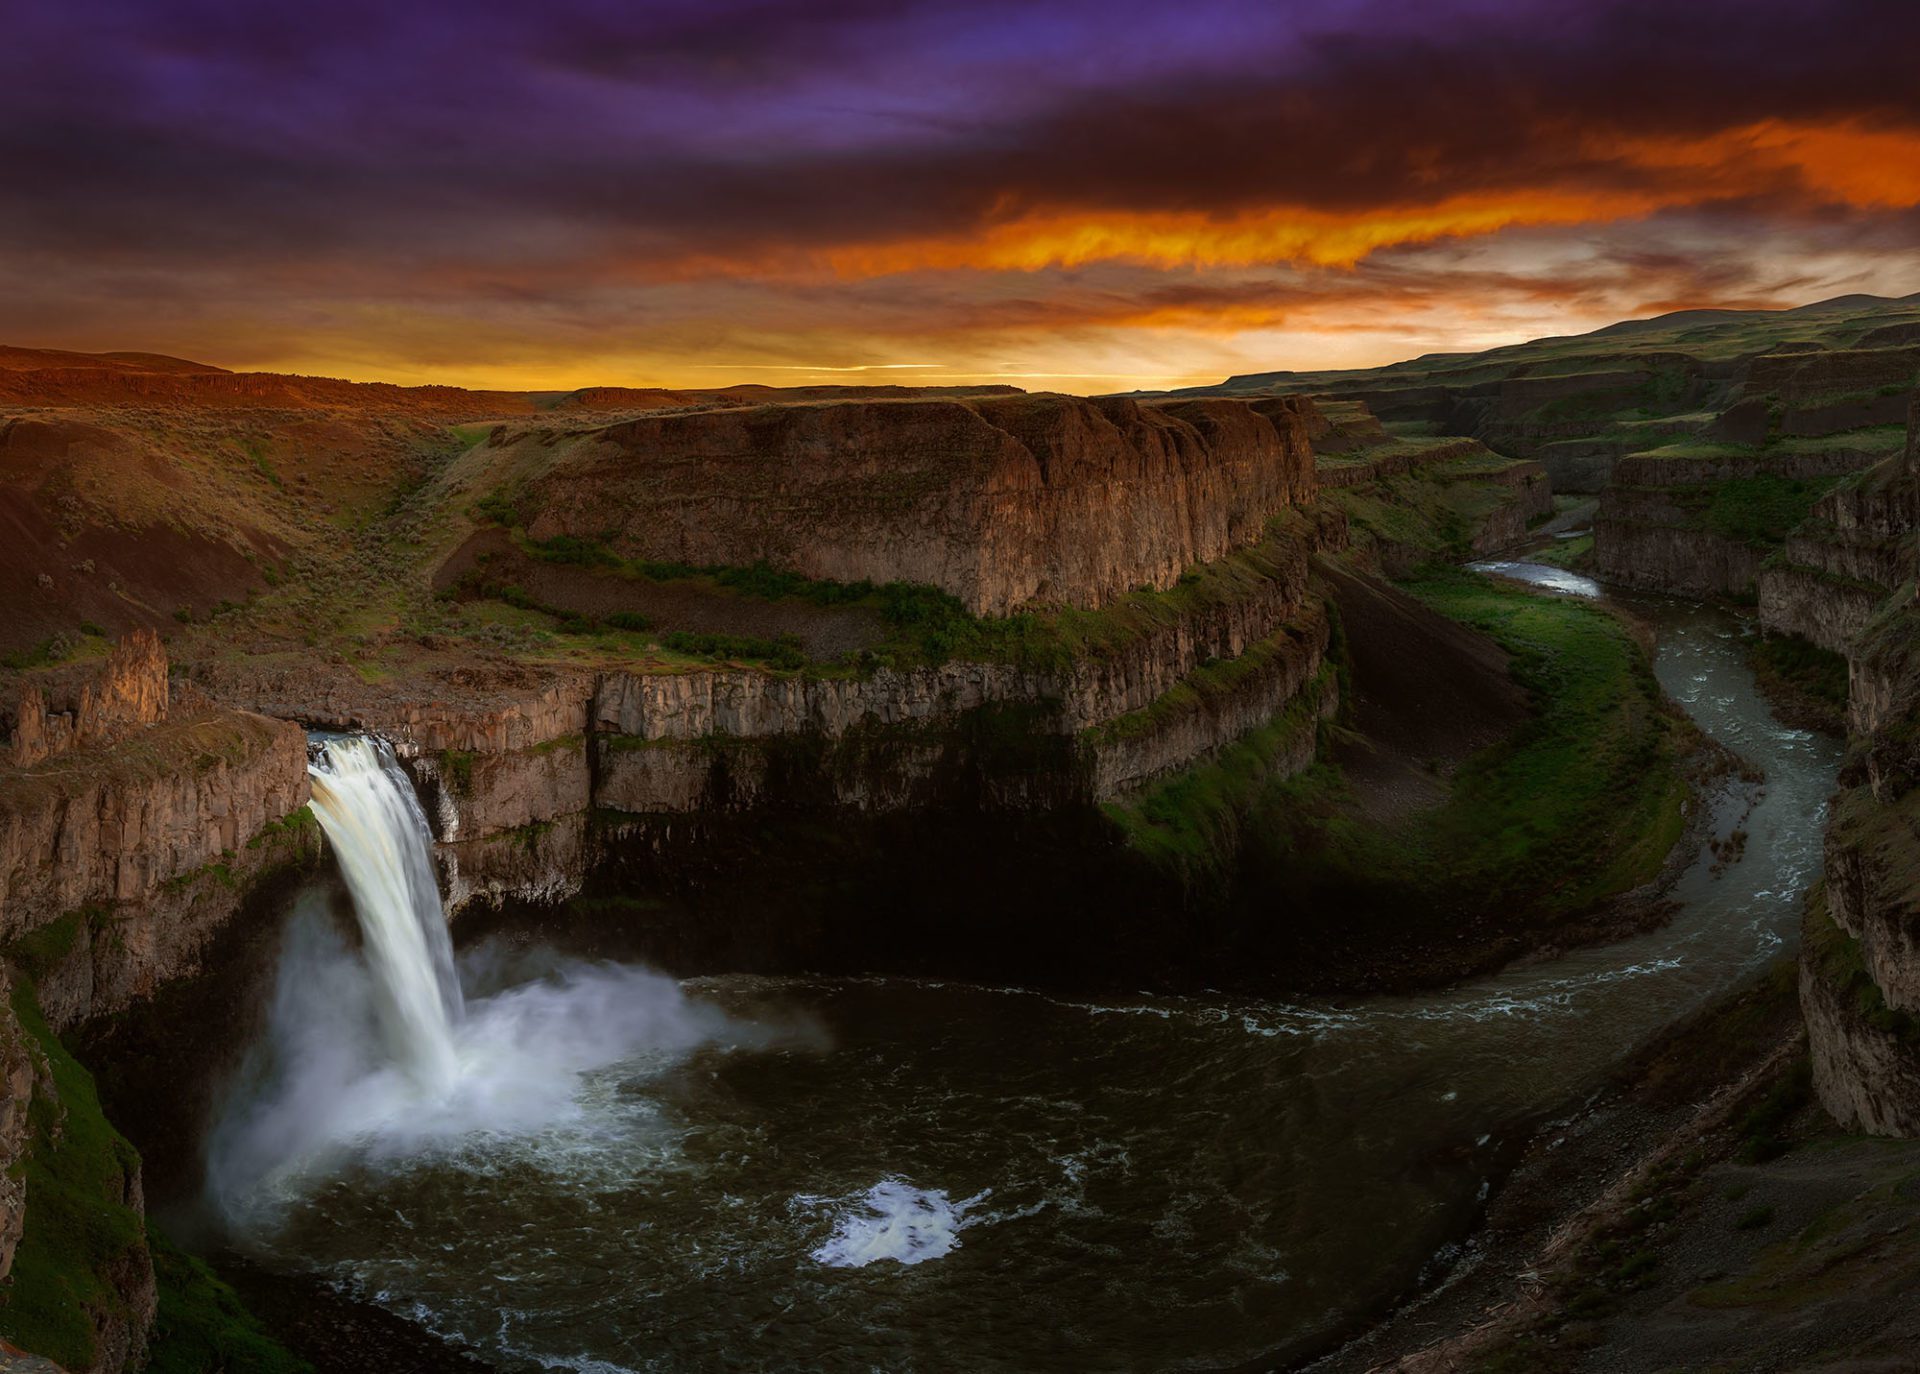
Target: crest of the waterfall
[(367, 807)]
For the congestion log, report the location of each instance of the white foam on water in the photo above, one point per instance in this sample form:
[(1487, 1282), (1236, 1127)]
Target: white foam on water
[(1542, 575), (893, 1220), (377, 1056)]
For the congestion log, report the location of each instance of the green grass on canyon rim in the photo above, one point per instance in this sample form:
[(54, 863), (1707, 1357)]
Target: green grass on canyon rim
[(1583, 802), (923, 625)]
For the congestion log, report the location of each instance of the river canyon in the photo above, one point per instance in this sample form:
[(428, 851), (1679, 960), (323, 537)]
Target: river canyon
[(802, 1169), (904, 879)]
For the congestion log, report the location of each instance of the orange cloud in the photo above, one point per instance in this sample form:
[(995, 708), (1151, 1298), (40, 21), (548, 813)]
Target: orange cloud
[(1278, 234), (1847, 164), (1844, 164)]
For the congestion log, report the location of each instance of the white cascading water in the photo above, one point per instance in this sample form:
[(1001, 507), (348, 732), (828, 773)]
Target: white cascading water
[(374, 1055), (367, 807)]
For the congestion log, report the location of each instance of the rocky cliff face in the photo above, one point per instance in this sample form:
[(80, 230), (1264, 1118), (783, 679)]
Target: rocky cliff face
[(1002, 501), (115, 826), (1507, 524), (510, 760), (1860, 977), (1650, 539), (16, 1089), (707, 741), (97, 709), (1836, 569), (1867, 1077), (122, 852)]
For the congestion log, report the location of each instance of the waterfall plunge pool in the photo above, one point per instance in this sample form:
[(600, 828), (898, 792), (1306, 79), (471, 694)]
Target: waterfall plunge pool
[(625, 1172)]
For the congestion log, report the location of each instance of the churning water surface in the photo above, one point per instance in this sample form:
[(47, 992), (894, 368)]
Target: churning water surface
[(632, 1173)]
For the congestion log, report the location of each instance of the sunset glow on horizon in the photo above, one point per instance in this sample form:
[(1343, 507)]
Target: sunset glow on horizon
[(1074, 196)]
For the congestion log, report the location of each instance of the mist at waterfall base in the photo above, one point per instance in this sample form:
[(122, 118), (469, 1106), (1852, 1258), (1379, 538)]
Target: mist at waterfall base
[(945, 1176), (390, 1052)]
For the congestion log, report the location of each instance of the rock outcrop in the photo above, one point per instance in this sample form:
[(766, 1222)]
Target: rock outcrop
[(1867, 1077), (1003, 501), (16, 1090), (128, 693), (1842, 563), (1705, 526), (123, 850), (1860, 974)]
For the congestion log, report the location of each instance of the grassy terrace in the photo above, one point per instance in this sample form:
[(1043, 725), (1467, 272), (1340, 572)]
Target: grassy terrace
[(1760, 510), (1566, 553), (1433, 510), (1871, 439), (1583, 802), (923, 625)]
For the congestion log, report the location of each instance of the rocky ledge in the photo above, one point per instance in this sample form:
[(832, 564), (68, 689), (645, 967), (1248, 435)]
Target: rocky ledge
[(138, 830)]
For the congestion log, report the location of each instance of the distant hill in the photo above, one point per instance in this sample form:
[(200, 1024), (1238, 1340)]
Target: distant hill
[(35, 359), (1839, 323)]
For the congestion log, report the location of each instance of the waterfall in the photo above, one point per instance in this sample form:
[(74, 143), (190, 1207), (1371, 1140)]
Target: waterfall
[(366, 805), (373, 1054)]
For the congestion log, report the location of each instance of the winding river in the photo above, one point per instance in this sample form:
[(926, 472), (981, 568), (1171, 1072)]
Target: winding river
[(638, 1174)]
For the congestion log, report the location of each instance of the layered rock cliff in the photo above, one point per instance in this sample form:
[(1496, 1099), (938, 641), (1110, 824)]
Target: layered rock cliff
[(1838, 567), (1002, 501), (123, 853), (1849, 586), (99, 708), (1704, 526), (512, 765)]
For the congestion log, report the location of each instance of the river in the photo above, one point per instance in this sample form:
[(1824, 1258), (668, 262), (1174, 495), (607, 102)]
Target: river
[(854, 1174)]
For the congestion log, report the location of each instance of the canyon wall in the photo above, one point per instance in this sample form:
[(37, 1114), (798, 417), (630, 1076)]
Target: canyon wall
[(1842, 563), (1846, 583), (1705, 526), (1003, 501), (137, 832), (513, 771), (134, 829)]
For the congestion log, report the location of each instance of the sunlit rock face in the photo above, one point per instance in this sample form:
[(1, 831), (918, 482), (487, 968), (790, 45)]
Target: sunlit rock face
[(1002, 501)]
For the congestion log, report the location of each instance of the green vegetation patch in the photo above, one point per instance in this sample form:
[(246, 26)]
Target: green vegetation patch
[(784, 652), (1763, 509), (1789, 666), (294, 825), (1582, 802), (41, 951), (925, 626), (1193, 822), (456, 769), (1566, 553), (79, 1231), (202, 1325)]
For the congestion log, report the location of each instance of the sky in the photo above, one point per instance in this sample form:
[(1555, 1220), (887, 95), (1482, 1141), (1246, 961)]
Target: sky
[(1083, 195)]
